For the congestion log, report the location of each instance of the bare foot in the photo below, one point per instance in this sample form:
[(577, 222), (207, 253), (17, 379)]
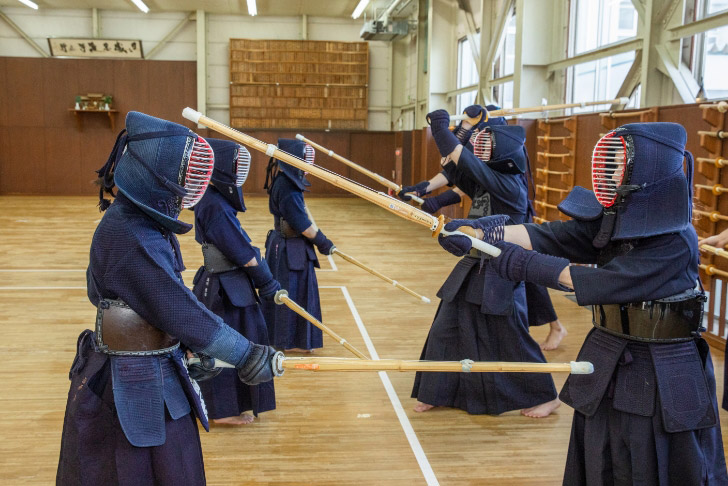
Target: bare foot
[(543, 410), (557, 332), (242, 419), (423, 407)]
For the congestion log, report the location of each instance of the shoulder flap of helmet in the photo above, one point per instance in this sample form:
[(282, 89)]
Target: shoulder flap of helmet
[(581, 204)]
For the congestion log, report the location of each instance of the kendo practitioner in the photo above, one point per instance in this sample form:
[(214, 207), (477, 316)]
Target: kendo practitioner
[(130, 416), (482, 316), (289, 250), (226, 283), (540, 308), (648, 414), (720, 241)]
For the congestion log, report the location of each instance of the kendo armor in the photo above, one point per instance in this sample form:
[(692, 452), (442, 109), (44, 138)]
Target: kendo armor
[(160, 166), (640, 190)]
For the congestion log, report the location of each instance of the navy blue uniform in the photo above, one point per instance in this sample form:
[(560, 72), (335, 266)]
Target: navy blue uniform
[(232, 296), (648, 414), (142, 429), (292, 260), (482, 316)]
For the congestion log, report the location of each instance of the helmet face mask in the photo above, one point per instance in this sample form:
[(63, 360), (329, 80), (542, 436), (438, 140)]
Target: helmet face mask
[(611, 164), (198, 164), (483, 142), (242, 165)]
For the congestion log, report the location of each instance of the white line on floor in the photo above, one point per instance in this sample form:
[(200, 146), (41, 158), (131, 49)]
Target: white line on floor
[(393, 398)]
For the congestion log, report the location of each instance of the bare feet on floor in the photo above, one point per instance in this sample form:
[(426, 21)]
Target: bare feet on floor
[(557, 332), (242, 419), (543, 410), (299, 350), (423, 407)]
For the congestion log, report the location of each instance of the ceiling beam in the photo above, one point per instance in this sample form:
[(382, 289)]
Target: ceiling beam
[(605, 51), (22, 34), (698, 27), (171, 34)]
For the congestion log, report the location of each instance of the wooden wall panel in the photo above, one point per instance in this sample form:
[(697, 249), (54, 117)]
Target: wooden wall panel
[(26, 161), (60, 85), (62, 144), (25, 99)]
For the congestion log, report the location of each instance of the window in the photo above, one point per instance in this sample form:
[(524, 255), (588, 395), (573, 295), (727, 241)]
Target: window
[(596, 23), (711, 66), (467, 74), (504, 64)]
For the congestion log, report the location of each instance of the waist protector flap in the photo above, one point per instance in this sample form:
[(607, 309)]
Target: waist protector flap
[(685, 397), (455, 280), (239, 289), (584, 392)]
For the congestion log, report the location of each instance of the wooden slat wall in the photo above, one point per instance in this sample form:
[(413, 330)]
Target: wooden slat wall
[(298, 84)]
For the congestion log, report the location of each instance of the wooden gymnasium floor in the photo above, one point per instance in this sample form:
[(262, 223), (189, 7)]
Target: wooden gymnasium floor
[(329, 429)]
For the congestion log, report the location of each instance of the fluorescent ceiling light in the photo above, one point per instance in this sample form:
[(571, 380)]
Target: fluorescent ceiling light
[(30, 4), (140, 5), (359, 8), (252, 9)]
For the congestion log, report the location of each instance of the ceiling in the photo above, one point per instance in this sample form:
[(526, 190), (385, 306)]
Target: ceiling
[(319, 8)]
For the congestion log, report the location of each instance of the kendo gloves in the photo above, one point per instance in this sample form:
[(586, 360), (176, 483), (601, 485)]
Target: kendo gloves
[(259, 365), (263, 279), (517, 264), (447, 198), (445, 140), (419, 190), (324, 245), (492, 227)]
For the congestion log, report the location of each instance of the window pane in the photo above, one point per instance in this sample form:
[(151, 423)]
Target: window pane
[(506, 53), (599, 80), (601, 22), (715, 71), (467, 70), (464, 100)]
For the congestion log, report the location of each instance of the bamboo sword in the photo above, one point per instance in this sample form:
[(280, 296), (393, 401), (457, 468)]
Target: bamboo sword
[(465, 366), (400, 208), (373, 175)]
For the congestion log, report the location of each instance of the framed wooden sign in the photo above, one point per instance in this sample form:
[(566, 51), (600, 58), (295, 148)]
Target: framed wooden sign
[(96, 48)]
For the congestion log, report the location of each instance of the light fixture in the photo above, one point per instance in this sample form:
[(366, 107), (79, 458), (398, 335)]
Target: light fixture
[(252, 9), (140, 5), (30, 4), (359, 8)]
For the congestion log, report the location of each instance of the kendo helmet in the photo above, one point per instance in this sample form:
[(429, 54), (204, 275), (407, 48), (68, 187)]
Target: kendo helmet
[(232, 165), (639, 183), (300, 150), (160, 166), (501, 147)]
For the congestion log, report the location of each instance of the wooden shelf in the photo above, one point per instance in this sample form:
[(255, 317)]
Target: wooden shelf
[(79, 119), (286, 84)]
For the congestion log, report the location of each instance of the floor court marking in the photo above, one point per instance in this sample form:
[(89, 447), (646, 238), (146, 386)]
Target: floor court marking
[(409, 432)]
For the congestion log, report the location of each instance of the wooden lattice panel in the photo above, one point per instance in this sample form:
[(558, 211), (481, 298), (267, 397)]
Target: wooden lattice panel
[(298, 84), (554, 176)]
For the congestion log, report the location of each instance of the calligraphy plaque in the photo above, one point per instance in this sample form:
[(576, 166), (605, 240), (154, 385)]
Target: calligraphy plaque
[(96, 48)]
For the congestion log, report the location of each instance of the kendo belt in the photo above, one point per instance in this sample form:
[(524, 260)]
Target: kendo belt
[(122, 332), (282, 226), (672, 319), (215, 260)]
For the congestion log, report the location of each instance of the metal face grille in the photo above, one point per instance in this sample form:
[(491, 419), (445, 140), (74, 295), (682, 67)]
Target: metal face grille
[(609, 165), (310, 154), (242, 165), (199, 171), (483, 145)]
